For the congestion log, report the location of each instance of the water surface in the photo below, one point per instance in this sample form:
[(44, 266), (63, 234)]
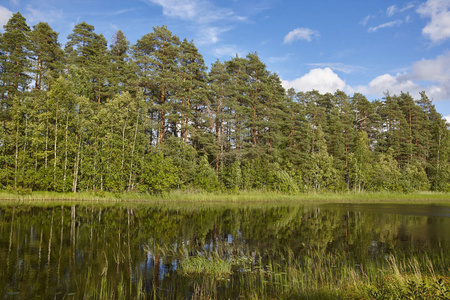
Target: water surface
[(66, 251)]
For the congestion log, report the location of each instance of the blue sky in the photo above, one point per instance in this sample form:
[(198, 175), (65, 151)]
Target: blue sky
[(369, 46)]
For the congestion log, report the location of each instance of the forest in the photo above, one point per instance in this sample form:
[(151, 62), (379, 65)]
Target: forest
[(152, 117)]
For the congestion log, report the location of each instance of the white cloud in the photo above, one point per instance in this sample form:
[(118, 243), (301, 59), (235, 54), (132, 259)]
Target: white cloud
[(323, 80), (200, 11), (207, 20), (431, 76), (5, 15), (277, 59), (438, 29), (447, 118), (340, 67), (228, 51), (436, 72), (407, 7), (433, 70), (366, 20), (385, 25), (387, 82), (112, 13), (391, 10), (210, 35), (35, 16), (300, 34)]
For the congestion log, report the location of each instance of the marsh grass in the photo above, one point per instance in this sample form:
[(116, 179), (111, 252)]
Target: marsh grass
[(215, 267), (187, 198), (315, 276), (106, 289)]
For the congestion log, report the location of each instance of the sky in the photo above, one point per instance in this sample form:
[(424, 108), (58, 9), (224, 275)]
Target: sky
[(370, 46)]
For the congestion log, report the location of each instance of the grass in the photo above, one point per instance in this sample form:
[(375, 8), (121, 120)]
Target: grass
[(215, 267), (311, 274), (242, 197), (322, 278), (107, 290)]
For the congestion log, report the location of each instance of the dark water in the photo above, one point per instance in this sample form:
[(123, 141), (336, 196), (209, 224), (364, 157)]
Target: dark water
[(64, 252)]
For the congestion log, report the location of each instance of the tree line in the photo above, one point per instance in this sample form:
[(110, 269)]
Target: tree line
[(151, 117)]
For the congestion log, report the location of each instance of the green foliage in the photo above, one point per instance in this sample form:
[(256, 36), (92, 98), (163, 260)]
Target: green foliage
[(205, 177), (413, 289), (413, 177), (360, 163), (96, 116), (281, 181), (159, 174), (233, 177), (183, 157), (215, 267), (320, 173)]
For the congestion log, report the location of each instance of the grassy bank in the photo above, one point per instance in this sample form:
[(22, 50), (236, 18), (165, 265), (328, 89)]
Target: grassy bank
[(238, 198)]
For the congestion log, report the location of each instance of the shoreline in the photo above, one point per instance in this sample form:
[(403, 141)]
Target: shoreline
[(239, 198)]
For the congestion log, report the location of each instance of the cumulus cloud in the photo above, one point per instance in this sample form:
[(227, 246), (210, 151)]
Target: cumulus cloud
[(5, 15), (447, 118), (438, 28), (387, 82), (385, 25), (300, 34), (437, 73), (429, 75), (322, 80)]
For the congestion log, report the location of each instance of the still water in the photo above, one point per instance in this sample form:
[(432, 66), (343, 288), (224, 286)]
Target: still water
[(71, 252)]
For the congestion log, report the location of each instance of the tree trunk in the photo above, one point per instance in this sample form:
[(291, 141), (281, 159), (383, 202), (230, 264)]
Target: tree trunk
[(55, 148), (132, 150), (65, 154)]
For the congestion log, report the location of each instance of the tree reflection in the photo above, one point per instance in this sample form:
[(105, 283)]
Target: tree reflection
[(142, 248)]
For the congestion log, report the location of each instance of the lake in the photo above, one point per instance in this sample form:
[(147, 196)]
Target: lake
[(101, 252)]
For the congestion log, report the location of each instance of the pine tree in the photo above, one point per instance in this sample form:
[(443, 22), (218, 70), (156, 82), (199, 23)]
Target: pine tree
[(122, 77), (16, 48), (79, 46), (219, 87), (87, 50), (392, 120), (239, 109), (437, 132), (366, 117), (297, 126), (196, 115), (15, 51), (157, 56), (315, 115), (48, 55)]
